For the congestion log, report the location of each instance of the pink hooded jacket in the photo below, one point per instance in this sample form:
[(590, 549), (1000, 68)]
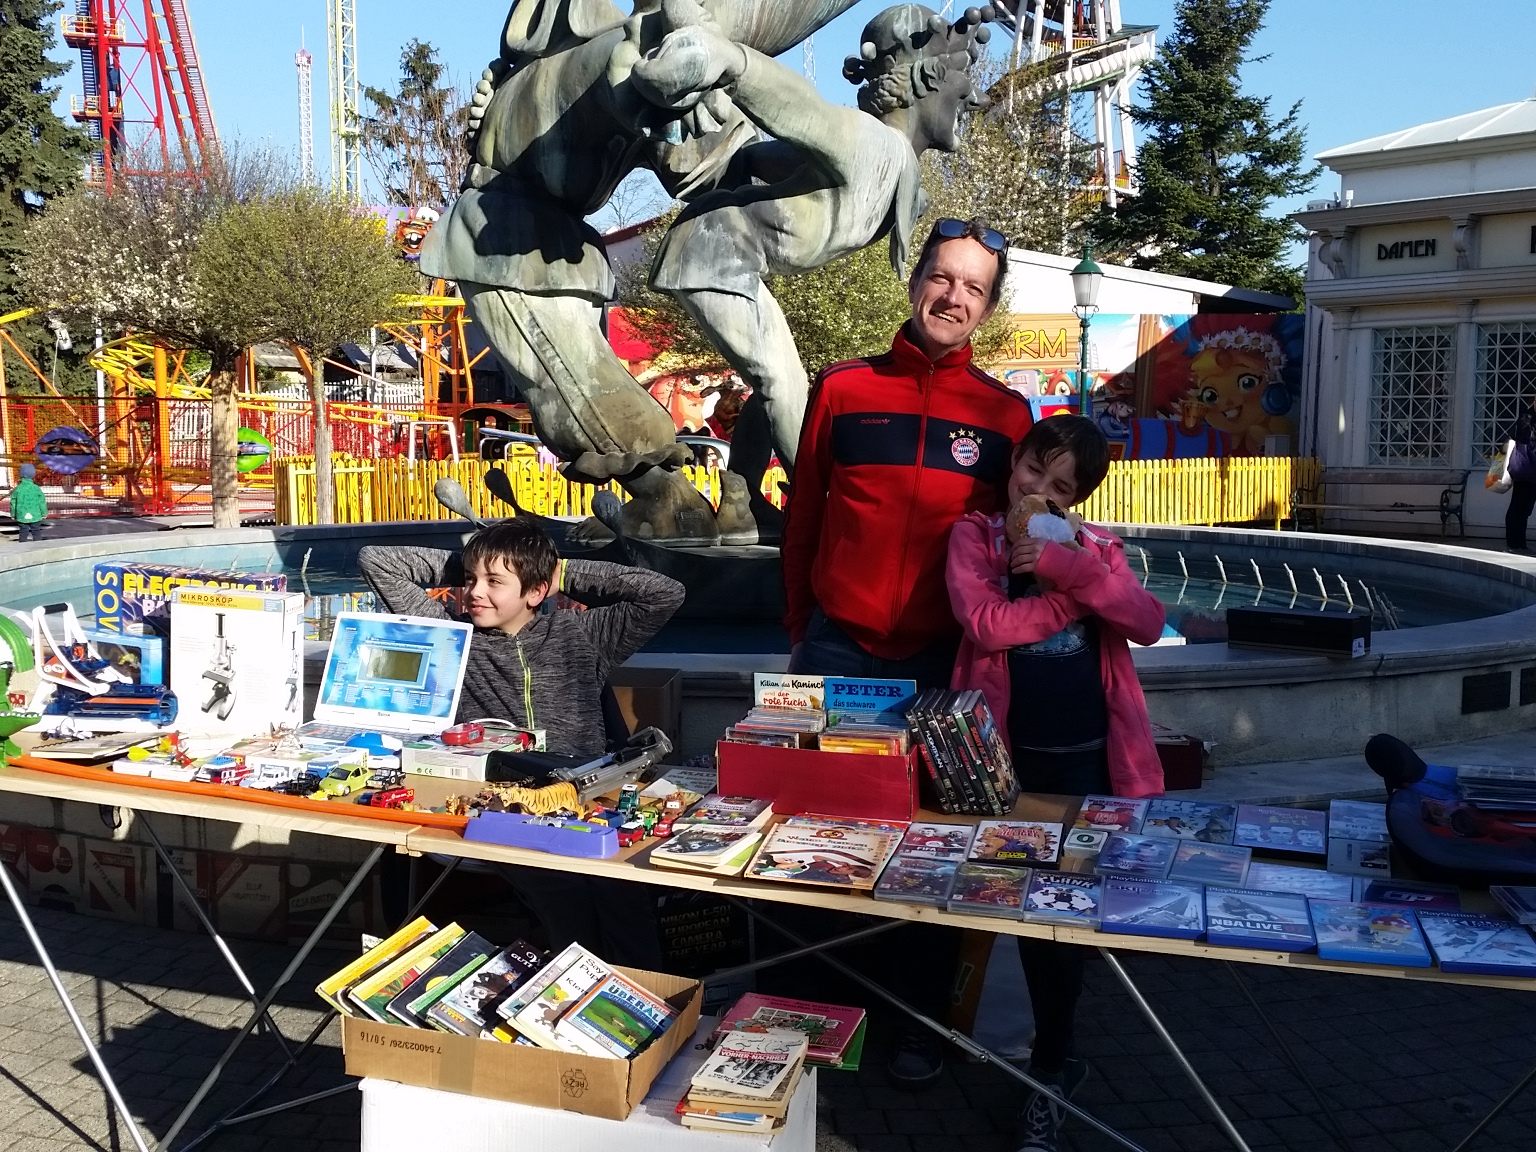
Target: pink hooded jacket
[(1092, 580)]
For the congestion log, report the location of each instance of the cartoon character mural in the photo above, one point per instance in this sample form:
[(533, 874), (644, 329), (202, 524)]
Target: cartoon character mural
[(409, 228), (1242, 377)]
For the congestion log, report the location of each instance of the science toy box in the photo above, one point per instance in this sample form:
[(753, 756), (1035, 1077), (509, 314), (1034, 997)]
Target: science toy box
[(237, 660), (135, 597)]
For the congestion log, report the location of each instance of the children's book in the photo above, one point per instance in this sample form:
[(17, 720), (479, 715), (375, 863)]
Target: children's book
[(1357, 820), (1111, 813), (1027, 842), (537, 1017), (1189, 820), (703, 845), (1360, 857), (1083, 841), (1247, 918), (372, 994), (1415, 894), (1169, 908), (1270, 828), (616, 1018), (1517, 899), (1132, 855), (432, 985), (832, 1031), (916, 880), (471, 1006), (837, 855), (787, 690), (719, 811), (1063, 897), (333, 988), (728, 864), (936, 841), (988, 890), (1225, 864), (1267, 876), (750, 1063), (1486, 945), (547, 974), (867, 699), (1368, 933)]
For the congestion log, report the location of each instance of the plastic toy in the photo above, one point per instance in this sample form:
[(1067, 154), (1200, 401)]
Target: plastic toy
[(119, 708), (344, 779), (393, 798), (17, 657), (221, 696), (631, 833)]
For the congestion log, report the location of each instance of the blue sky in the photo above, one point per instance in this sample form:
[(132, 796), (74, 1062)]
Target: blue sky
[(1359, 69)]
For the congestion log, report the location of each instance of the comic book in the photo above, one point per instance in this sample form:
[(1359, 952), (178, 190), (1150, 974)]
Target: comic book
[(1271, 828), (841, 856), (1027, 842), (1486, 945), (471, 1006), (1415, 894), (1357, 820), (936, 841), (1267, 876), (1244, 917), (916, 880), (988, 890), (1368, 933), (1063, 897), (832, 1031), (1111, 813), (751, 1064), (1132, 855), (1170, 908), (787, 690), (1225, 864), (471, 951), (616, 1018), (1189, 820)]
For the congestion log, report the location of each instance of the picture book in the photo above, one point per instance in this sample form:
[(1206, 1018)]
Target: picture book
[(1360, 857), (616, 1018), (1111, 813), (1487, 945), (1518, 900), (331, 989), (865, 698), (988, 890), (1270, 828), (1244, 917), (1189, 820), (548, 973), (537, 1017), (1225, 864), (1063, 897), (750, 1063), (1083, 841), (372, 994), (1132, 855), (1267, 876), (787, 690), (702, 1107), (1368, 933), (727, 812), (471, 1006), (916, 880), (1413, 894), (1357, 820), (1137, 907), (1027, 842), (838, 855), (703, 845), (936, 841), (471, 951), (831, 1030), (728, 863)]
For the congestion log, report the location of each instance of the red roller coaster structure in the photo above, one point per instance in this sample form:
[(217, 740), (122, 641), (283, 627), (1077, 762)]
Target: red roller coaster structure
[(144, 99)]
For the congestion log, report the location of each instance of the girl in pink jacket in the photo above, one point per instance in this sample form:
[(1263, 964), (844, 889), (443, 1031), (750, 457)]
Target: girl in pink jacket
[(1047, 627)]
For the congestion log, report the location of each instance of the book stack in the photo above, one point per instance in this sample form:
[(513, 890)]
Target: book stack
[(834, 1033), (965, 759), (833, 851), (746, 1083), (706, 848), (777, 727)]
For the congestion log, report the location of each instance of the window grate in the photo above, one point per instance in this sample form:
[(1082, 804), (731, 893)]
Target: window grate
[(1412, 374), (1505, 381)]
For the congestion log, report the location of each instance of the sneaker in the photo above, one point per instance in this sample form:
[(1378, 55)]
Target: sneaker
[(1040, 1125), (917, 1061)]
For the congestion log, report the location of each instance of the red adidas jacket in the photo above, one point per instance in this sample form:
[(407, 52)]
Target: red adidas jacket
[(895, 449)]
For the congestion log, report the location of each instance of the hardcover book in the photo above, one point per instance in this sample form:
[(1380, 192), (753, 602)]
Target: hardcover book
[(1244, 917), (916, 880), (1413, 894), (1189, 820), (838, 855), (1131, 855), (727, 812), (1225, 864), (750, 1063), (1368, 933), (936, 841), (831, 1030), (1111, 813), (1357, 820), (1063, 897), (868, 699), (471, 1006), (333, 988), (1026, 842), (1268, 876), (372, 994), (616, 1018), (1271, 828), (1360, 857), (787, 690), (1485, 945), (988, 890), (1169, 908)]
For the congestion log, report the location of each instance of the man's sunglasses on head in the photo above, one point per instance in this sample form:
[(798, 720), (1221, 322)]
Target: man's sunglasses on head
[(952, 229)]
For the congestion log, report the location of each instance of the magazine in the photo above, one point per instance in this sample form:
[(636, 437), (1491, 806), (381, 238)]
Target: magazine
[(750, 1063), (831, 1030)]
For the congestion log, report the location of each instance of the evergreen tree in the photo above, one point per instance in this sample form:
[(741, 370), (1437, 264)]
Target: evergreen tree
[(414, 136), (1213, 161)]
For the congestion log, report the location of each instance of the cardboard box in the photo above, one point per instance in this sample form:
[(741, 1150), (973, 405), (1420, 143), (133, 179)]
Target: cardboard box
[(116, 881), (135, 597), (53, 869), (592, 1086), (650, 697), (172, 909), (429, 756), (237, 660), (141, 656), (248, 896), (833, 783)]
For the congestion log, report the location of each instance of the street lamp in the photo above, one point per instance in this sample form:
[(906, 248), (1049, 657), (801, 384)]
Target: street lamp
[(1086, 278)]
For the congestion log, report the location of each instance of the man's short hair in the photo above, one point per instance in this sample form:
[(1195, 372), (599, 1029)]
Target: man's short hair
[(522, 546), (1078, 435), (975, 229)]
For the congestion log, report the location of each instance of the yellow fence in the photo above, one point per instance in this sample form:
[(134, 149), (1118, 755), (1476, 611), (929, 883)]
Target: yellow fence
[(1236, 490)]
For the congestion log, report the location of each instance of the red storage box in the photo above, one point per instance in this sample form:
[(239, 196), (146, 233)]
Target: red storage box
[(834, 783)]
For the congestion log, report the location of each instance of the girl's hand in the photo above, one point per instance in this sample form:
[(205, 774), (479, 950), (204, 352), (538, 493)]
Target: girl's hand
[(1024, 555)]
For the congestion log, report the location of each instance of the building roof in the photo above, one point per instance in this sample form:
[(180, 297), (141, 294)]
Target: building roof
[(1517, 119)]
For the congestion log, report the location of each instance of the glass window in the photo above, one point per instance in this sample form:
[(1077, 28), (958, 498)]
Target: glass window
[(1505, 381), (1413, 370)]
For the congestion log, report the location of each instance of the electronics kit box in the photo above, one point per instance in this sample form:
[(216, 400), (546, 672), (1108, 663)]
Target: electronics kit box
[(135, 597), (1344, 634), (429, 756), (237, 660)]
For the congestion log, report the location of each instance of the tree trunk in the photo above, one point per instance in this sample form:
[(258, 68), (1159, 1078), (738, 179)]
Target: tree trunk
[(325, 480), (223, 445)]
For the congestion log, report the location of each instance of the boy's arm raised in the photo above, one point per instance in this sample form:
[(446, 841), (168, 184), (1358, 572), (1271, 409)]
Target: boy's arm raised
[(1106, 588), (627, 605), (989, 618), (399, 577)]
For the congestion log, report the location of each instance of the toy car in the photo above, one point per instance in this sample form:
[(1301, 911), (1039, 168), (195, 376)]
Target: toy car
[(222, 770), (299, 786), (386, 778), (392, 797), (631, 833), (344, 779)]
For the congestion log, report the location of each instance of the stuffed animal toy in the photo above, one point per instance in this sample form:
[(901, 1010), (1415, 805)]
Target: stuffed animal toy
[(1037, 518)]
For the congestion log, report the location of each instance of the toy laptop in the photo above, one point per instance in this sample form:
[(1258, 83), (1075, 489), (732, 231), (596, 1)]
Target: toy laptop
[(398, 676)]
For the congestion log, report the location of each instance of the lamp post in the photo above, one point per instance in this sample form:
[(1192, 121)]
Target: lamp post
[(1086, 278)]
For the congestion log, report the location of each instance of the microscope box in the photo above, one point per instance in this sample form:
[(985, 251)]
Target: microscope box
[(237, 660)]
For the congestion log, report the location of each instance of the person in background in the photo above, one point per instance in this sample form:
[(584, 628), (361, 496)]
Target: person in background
[(29, 506), (1520, 467)]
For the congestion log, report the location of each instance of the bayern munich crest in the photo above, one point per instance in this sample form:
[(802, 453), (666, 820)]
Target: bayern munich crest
[(965, 447)]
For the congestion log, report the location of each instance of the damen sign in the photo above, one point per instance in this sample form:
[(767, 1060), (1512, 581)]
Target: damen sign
[(1405, 249)]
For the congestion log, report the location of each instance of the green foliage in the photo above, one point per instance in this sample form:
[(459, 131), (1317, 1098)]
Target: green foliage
[(1212, 163), (414, 136)]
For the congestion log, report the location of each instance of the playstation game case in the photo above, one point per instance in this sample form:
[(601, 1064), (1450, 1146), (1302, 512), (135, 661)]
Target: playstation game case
[(1368, 933), (1189, 820), (988, 890), (1174, 909), (1063, 898), (1267, 876), (1483, 945), (1127, 854), (1198, 863), (1269, 828), (916, 880), (1246, 918)]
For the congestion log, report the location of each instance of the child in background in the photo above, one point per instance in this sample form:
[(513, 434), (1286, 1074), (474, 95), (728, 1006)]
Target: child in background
[(29, 507), (1055, 667)]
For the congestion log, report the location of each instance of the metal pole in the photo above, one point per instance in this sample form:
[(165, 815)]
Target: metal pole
[(1082, 364)]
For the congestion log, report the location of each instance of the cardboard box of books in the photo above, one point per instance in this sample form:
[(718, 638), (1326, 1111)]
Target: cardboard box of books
[(871, 787), (604, 1086)]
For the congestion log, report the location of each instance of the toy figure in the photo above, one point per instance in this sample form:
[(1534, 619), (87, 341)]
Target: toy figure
[(1037, 518)]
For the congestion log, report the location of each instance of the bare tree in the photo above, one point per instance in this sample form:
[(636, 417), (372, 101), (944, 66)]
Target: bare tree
[(414, 136)]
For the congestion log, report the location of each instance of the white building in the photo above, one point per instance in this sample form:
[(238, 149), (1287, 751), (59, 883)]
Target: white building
[(1421, 299)]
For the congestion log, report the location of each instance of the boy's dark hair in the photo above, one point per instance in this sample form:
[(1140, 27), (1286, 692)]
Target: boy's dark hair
[(976, 229), (1078, 435), (520, 544)]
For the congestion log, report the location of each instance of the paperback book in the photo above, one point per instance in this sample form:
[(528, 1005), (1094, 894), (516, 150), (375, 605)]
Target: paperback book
[(1189, 820), (1274, 829), (334, 987), (1169, 908), (727, 863), (703, 846), (718, 811), (537, 1016), (1132, 855), (471, 951), (833, 1032), (867, 699), (1063, 897), (1484, 945), (988, 890), (372, 994), (1368, 933), (1111, 813), (470, 1007), (1225, 864), (1244, 917), (916, 880), (1268, 876), (835, 855), (1360, 857), (936, 841), (753, 1064), (1357, 820), (616, 1018), (1413, 894), (1027, 842)]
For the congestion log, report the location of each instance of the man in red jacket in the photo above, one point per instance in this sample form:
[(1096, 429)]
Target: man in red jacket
[(895, 449)]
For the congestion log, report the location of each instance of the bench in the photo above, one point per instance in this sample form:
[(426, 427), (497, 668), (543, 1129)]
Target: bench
[(1328, 493)]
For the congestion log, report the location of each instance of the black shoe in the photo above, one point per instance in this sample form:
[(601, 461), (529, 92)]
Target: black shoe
[(918, 1060), (1040, 1125)]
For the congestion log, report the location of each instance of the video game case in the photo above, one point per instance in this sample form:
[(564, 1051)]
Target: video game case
[(916, 880), (1516, 899), (971, 717), (988, 890), (1225, 864), (1357, 820), (1189, 820), (936, 841), (1415, 894), (1360, 857), (1127, 854), (1063, 898), (1267, 876), (1246, 918), (1273, 828), (1368, 933), (918, 716), (1016, 842), (1474, 943), (1174, 909), (1111, 813)]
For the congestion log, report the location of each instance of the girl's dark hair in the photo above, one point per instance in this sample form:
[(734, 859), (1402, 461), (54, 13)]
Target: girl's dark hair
[(1078, 435), (520, 544)]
